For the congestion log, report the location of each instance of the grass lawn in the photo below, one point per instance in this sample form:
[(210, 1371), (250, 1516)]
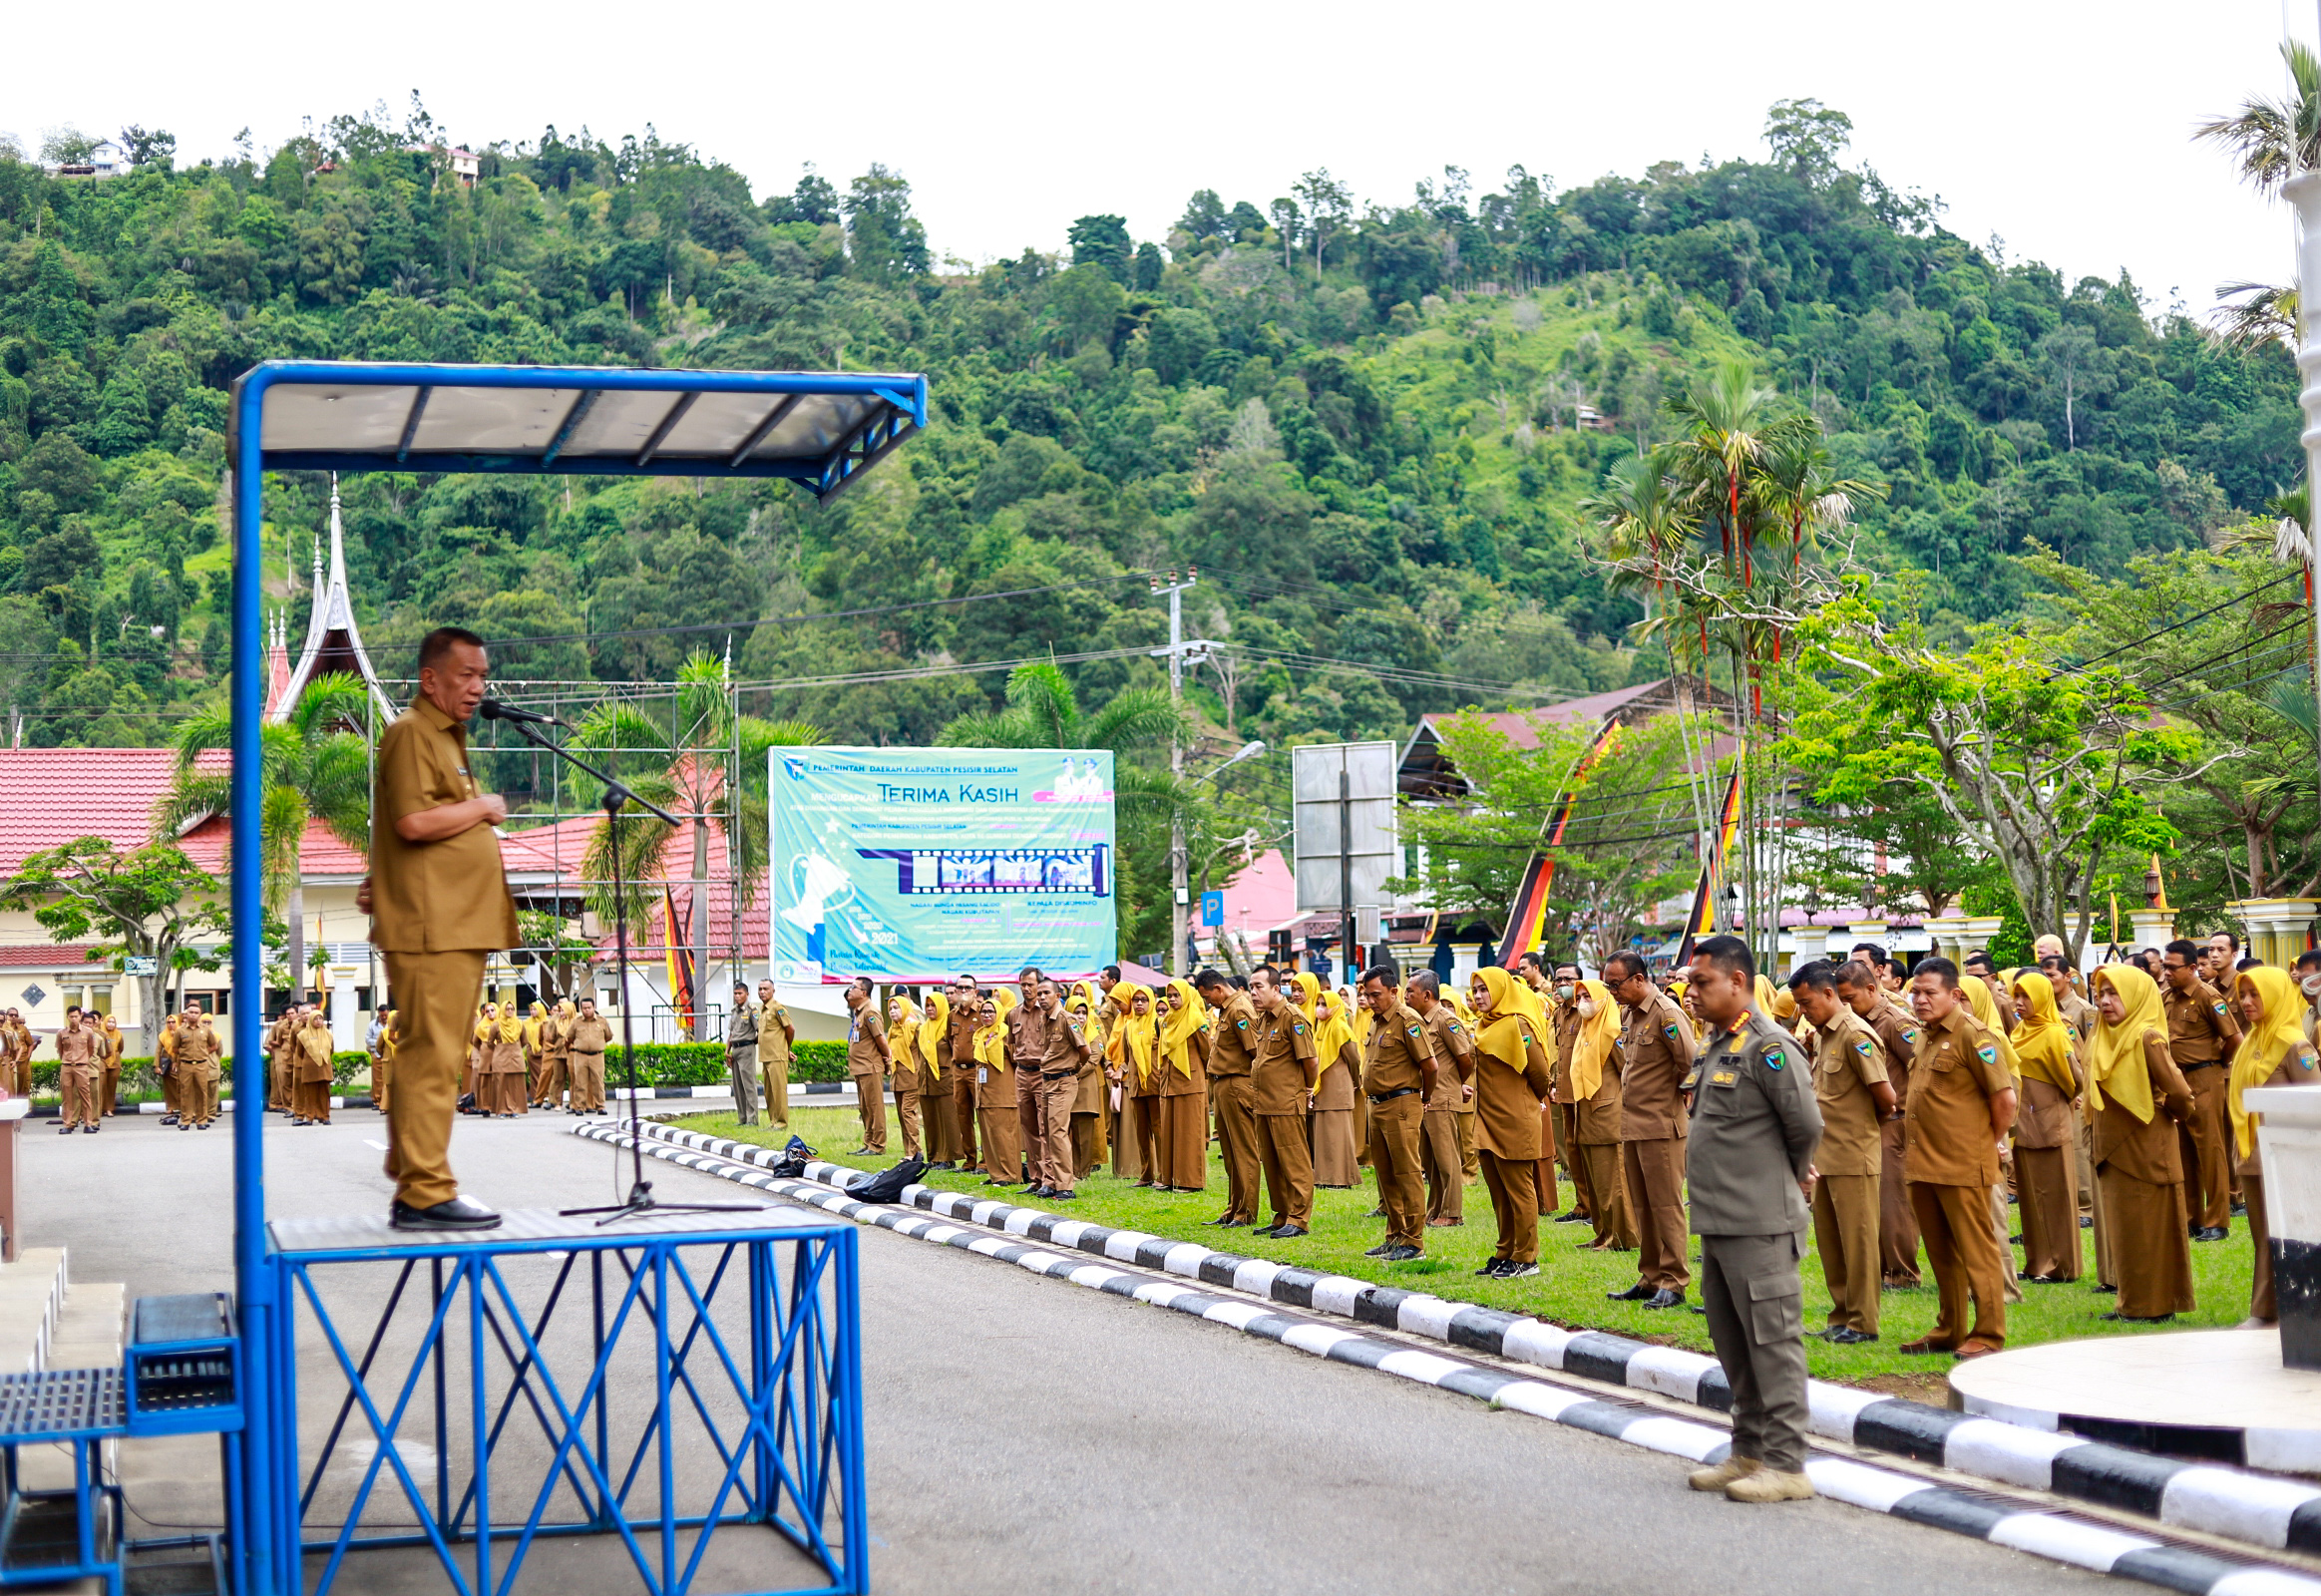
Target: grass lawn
[(1571, 1284)]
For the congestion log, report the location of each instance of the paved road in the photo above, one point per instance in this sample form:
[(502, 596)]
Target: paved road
[(1027, 1436)]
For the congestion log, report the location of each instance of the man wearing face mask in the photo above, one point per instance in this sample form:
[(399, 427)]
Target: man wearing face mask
[(1566, 1015)]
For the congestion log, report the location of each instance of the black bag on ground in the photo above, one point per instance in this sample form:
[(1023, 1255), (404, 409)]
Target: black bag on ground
[(887, 1185), (792, 1164)]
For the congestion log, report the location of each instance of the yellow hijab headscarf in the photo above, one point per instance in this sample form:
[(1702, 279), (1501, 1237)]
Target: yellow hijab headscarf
[(2266, 1043), (1512, 1005), (937, 1024), (902, 1043), (990, 1042), (1323, 1019), (1597, 1031), (2043, 1042), (531, 1026), (2116, 1066), (1182, 1026), (1135, 1040), (1984, 1005), (512, 1026)]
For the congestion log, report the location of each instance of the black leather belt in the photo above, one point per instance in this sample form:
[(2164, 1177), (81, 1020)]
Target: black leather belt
[(1387, 1097)]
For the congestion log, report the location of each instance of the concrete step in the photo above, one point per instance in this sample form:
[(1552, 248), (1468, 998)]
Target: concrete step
[(32, 1302), (88, 1331)]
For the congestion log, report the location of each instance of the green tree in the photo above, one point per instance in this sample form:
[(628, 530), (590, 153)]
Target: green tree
[(145, 904)]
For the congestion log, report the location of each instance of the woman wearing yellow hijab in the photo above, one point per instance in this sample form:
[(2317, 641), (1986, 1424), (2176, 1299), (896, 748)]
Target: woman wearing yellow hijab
[(907, 1079), (1134, 1050), (2140, 1176), (1088, 1145), (2046, 1135), (479, 1054), (1182, 1141), (501, 1082), (1595, 1126), (937, 1105), (1330, 1123), (2273, 1051), (1511, 1081), (996, 1116)]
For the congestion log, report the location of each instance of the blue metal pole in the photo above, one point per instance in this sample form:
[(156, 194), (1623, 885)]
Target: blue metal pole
[(253, 1281)]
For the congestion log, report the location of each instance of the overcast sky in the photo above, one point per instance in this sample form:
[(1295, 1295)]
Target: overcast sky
[(2062, 126)]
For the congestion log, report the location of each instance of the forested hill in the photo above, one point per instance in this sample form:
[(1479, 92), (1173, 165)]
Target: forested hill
[(1369, 429)]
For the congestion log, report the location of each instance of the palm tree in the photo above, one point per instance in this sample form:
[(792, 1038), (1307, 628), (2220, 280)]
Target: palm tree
[(1043, 712), (1731, 423), (2266, 312), (2271, 141), (694, 754), (313, 765)]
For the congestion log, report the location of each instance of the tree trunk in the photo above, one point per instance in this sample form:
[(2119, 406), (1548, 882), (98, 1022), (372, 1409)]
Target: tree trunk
[(296, 950), (2252, 835)]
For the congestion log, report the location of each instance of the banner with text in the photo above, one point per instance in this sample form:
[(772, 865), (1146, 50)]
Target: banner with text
[(925, 864)]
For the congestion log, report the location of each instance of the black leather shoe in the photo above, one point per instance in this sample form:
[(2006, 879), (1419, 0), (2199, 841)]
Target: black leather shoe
[(1665, 1297), (2213, 1233), (1492, 1268), (458, 1214), (1062, 1196), (1263, 1230), (1634, 1293), (1381, 1249), (1573, 1218), (1289, 1233)]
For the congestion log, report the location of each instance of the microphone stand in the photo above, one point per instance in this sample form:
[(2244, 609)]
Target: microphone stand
[(641, 1200)]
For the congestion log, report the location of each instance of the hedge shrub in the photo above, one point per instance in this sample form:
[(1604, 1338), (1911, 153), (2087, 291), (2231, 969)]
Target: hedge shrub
[(658, 1063)]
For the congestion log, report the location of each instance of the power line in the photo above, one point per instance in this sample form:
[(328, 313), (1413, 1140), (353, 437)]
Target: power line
[(2239, 598)]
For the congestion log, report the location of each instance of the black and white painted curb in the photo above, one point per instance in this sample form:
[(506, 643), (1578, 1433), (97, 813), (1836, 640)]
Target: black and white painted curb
[(2254, 1509)]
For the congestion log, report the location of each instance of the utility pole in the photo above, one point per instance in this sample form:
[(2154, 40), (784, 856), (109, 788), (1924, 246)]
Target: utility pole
[(1178, 864)]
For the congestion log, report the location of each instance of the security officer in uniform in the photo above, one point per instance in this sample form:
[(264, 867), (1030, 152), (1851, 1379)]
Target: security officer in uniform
[(2201, 1034), (1232, 1056), (1754, 1127), (1398, 1076), (741, 1055)]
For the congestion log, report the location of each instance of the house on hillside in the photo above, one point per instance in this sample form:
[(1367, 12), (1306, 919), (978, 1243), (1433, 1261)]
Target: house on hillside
[(106, 158)]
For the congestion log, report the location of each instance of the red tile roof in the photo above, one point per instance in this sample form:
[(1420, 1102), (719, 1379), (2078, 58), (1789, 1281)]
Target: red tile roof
[(551, 857), (51, 796), (47, 957)]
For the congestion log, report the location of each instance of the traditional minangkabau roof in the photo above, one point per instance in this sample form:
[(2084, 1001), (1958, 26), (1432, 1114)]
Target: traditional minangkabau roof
[(332, 640)]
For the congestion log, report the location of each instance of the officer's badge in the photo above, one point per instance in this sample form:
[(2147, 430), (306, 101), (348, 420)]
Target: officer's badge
[(1861, 1046), (1299, 1029), (1773, 1059), (1454, 1027), (1413, 1029), (1241, 1025), (1725, 1078), (1670, 1031), (1988, 1054), (2218, 1006), (1910, 1035)]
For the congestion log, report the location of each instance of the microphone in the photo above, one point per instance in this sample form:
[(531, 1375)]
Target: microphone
[(493, 709)]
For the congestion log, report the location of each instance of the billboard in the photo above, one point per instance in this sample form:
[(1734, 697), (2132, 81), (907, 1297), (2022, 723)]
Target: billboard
[(925, 864)]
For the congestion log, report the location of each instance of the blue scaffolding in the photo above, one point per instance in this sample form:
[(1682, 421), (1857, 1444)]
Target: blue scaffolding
[(769, 1401)]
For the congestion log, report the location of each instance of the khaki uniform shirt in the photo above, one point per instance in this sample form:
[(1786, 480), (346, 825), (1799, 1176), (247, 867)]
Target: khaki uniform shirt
[(1952, 1081), (961, 1035), (1848, 1060), (866, 1043), (2200, 1025), (2077, 1013), (1755, 1125), (1064, 1047), (196, 1044), (1232, 1037), (1566, 1024), (2296, 1068), (77, 1048), (1507, 1120), (1397, 1055), (741, 1029), (1281, 1046), (1451, 1044), (2141, 1150), (592, 1034), (773, 1033), (433, 896), (1657, 1052)]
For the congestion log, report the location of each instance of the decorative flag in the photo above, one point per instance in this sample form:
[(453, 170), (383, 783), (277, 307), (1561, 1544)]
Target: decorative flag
[(1703, 920), (679, 961), (1527, 918)]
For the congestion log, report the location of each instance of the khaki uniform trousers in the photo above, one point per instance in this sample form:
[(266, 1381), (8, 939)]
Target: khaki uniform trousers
[(1001, 1148), (1051, 1162), (2263, 1306), (963, 1111), (2207, 1175), (1846, 1233), (1515, 1192), (382, 1083), (870, 1105), (437, 995), (1238, 1145), (1289, 1167), (1614, 1216), (1897, 1221), (1655, 1172), (1439, 1151), (742, 1064), (78, 1083), (1757, 1320), (1027, 1115), (940, 1116), (198, 1092), (109, 1091), (1393, 1149), (1575, 1162), (904, 1083), (555, 1076), (588, 1082), (1468, 1160), (1955, 1224)]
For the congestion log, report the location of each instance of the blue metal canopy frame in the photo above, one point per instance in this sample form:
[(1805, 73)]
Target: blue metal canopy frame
[(836, 426)]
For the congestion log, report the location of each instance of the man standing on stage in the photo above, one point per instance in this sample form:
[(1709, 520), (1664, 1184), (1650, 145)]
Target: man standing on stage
[(438, 900)]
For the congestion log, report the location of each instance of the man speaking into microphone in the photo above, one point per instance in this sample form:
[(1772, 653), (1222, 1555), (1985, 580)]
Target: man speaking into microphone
[(438, 900)]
